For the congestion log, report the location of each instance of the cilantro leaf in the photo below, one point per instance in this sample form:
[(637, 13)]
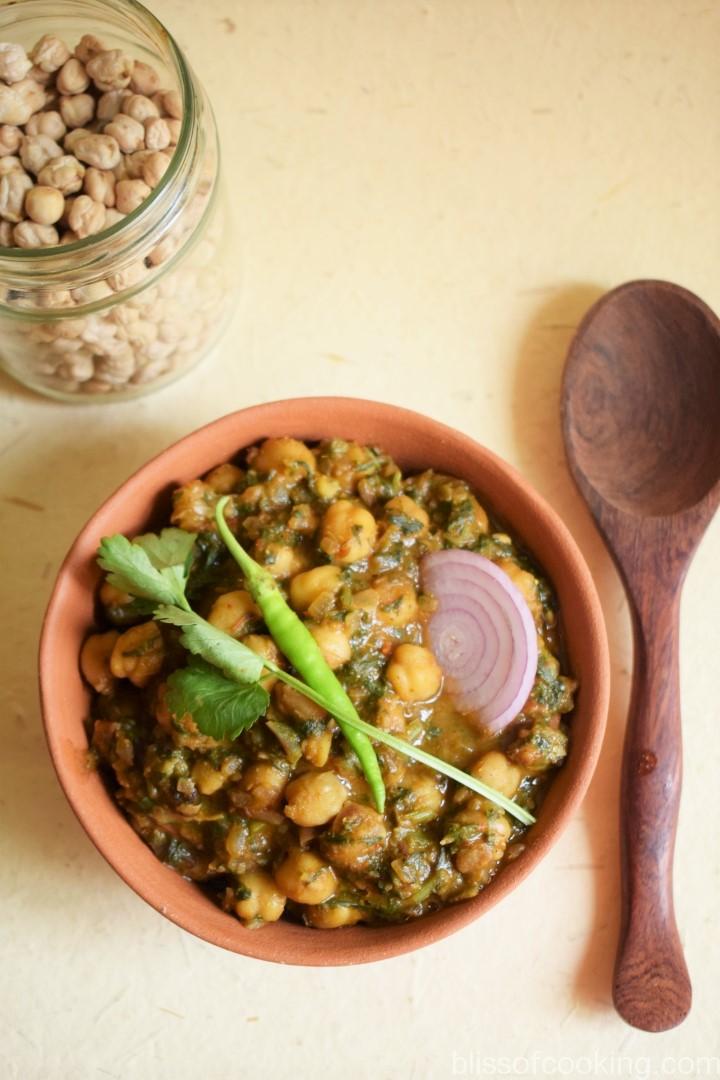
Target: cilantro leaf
[(218, 648), (131, 570), (170, 548), (219, 707)]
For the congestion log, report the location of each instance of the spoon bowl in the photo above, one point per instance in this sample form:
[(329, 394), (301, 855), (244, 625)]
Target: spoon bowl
[(641, 420)]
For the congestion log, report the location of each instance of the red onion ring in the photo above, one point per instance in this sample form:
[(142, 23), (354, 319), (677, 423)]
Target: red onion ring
[(482, 634)]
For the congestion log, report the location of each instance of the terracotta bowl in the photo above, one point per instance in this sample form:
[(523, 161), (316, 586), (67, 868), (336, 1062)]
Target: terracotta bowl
[(417, 443)]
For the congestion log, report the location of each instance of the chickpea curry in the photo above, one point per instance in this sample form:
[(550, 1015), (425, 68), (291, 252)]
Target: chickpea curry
[(281, 819)]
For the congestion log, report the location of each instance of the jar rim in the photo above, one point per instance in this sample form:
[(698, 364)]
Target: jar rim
[(47, 258)]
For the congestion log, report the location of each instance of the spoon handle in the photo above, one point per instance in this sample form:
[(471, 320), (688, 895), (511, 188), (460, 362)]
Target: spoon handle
[(651, 987)]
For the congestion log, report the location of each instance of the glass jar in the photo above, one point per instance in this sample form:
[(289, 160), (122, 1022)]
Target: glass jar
[(130, 308)]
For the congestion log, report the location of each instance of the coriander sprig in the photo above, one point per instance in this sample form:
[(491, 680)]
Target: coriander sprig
[(221, 687)]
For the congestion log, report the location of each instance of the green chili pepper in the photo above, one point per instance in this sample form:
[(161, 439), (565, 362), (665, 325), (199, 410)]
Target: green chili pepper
[(296, 642)]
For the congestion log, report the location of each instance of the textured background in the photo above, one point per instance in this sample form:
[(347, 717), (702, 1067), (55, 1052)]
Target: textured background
[(427, 196)]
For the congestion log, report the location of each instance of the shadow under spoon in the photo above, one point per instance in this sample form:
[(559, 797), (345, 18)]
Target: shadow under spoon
[(641, 420)]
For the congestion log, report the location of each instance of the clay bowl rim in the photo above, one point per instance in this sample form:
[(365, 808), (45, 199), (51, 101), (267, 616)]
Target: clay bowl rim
[(413, 438)]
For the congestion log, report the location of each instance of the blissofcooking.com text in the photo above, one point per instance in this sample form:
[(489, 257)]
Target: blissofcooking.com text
[(595, 1065)]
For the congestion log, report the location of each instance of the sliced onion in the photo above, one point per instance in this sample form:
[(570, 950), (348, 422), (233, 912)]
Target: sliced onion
[(482, 634)]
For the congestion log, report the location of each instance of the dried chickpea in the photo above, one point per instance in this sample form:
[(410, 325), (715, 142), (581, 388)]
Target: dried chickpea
[(314, 798), (47, 123), (36, 151), (144, 79), (234, 613), (332, 640), (28, 234), (19, 101), (87, 47), (99, 184), (10, 137), (49, 53), (414, 673), (305, 878), (72, 77), (305, 588), (139, 107), (86, 216), (77, 110), (9, 164), (333, 916), (494, 769), (95, 660), (101, 151), (110, 104), (172, 104), (14, 63), (157, 133), (6, 237), (261, 898), (128, 133), (64, 173), (129, 194), (349, 532), (13, 189), (283, 454), (138, 654), (174, 127), (45, 205), (110, 70)]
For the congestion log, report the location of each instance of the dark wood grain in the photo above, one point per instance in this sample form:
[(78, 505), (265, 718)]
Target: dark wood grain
[(641, 418)]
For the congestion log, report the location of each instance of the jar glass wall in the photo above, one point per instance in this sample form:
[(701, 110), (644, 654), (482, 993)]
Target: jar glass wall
[(132, 307)]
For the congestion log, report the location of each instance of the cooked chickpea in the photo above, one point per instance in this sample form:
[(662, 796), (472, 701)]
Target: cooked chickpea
[(282, 560), (403, 504), (111, 597), (296, 705), (314, 798), (265, 784), (349, 532), (494, 769), (356, 839), (333, 916), (264, 646), (316, 747), (423, 797), (208, 780), (276, 455), (305, 878), (307, 587), (95, 660), (234, 612), (526, 583), (332, 640), (262, 900), (45, 205), (224, 478), (414, 673), (138, 654), (397, 599)]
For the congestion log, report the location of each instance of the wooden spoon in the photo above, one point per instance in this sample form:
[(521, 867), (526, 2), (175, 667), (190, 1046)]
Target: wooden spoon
[(641, 419)]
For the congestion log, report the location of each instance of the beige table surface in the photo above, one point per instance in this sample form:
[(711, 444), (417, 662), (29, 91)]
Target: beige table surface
[(429, 194)]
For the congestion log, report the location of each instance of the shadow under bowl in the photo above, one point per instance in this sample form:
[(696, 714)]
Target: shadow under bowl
[(417, 443)]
